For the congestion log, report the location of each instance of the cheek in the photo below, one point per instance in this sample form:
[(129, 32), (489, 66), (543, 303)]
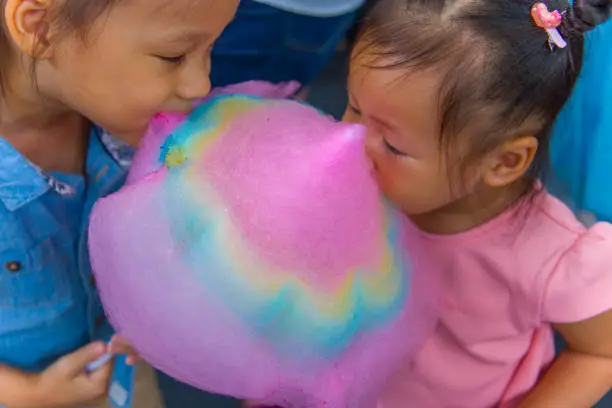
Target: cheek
[(390, 174), (374, 148), (128, 121), (128, 89), (133, 101), (413, 185)]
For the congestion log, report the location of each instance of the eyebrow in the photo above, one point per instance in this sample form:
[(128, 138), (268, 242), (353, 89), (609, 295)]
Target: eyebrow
[(186, 36), (383, 123), (375, 118)]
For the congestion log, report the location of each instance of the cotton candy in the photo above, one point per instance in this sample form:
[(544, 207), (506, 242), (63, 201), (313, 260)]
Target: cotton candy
[(250, 254)]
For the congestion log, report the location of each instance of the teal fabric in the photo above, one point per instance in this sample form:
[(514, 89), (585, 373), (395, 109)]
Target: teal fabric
[(582, 141)]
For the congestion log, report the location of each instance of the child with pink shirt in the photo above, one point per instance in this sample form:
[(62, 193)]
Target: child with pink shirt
[(459, 98)]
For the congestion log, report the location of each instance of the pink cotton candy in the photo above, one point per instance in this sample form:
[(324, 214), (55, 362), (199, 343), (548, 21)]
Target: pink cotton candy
[(251, 255), (163, 124)]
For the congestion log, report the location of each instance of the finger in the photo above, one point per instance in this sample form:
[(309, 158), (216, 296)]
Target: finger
[(120, 345), (130, 354), (270, 90), (260, 88), (288, 89), (132, 359), (118, 339), (101, 377), (75, 363), (120, 349), (91, 392)]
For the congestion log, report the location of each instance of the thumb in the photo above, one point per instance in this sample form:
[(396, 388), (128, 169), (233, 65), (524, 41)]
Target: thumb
[(288, 89), (102, 375), (74, 364)]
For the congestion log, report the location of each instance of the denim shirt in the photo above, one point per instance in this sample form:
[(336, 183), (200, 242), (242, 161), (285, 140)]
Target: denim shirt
[(49, 306)]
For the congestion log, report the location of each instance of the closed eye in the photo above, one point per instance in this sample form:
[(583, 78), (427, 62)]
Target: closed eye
[(393, 149), (172, 60), (354, 110)]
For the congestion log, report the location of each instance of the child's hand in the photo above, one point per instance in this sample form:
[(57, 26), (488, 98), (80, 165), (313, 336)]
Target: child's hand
[(67, 384), (262, 89), (254, 404), (119, 345)]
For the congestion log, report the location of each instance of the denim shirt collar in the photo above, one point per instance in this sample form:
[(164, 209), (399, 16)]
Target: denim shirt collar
[(22, 182)]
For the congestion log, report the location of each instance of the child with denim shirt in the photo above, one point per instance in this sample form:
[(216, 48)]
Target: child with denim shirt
[(65, 65)]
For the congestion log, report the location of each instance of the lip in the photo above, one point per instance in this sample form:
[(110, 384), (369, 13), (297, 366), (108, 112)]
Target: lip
[(374, 172), (183, 111), (373, 167), (184, 108)]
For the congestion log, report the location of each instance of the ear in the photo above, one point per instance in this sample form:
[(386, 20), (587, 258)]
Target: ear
[(27, 22), (510, 162)]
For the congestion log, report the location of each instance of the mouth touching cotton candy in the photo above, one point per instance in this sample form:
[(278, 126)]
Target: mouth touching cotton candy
[(250, 254)]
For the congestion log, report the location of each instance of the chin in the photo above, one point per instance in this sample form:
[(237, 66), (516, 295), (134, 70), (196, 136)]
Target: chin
[(131, 136), (133, 139), (413, 209)]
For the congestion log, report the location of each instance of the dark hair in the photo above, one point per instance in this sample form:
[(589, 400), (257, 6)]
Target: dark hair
[(500, 71), (75, 15)]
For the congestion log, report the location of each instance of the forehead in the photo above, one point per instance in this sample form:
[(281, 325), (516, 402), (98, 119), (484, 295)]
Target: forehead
[(180, 17), (408, 98)]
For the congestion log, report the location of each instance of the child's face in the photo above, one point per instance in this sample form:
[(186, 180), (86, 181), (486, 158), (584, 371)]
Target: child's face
[(401, 116), (141, 58)]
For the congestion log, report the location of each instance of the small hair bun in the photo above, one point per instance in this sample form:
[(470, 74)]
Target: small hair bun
[(587, 14)]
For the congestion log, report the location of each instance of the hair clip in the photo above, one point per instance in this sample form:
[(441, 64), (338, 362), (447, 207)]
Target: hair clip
[(550, 21)]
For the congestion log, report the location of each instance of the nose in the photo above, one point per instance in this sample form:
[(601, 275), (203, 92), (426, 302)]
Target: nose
[(194, 82), (370, 146), (349, 116)]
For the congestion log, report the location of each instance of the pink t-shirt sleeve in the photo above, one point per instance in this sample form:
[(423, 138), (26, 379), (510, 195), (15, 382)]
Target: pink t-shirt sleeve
[(580, 286)]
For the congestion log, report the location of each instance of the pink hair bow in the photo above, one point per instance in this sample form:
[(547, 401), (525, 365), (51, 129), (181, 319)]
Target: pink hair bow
[(550, 21)]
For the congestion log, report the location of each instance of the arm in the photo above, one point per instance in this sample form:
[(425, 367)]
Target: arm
[(16, 387), (582, 375)]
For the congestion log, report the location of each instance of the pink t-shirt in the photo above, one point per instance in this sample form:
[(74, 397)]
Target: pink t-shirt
[(504, 284)]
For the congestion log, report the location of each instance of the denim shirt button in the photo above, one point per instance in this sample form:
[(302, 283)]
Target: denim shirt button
[(100, 320), (92, 280), (13, 266)]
